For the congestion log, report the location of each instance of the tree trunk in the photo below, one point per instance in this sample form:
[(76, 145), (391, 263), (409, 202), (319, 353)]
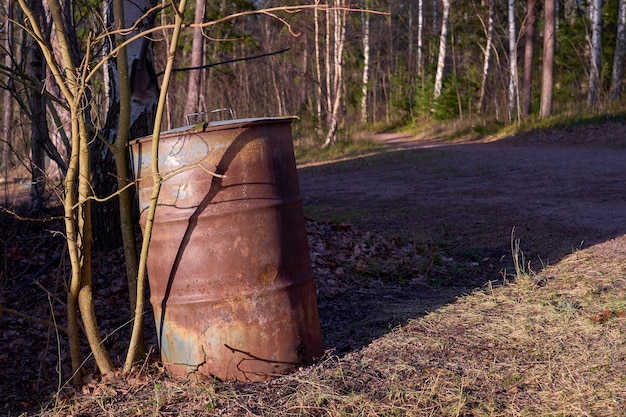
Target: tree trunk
[(366, 64), (512, 93), (39, 124), (436, 13), (327, 55), (192, 105), (547, 67), (595, 14), (144, 94), (318, 68), (488, 47), (617, 74), (420, 36), (339, 34), (442, 49), (529, 39), (7, 102)]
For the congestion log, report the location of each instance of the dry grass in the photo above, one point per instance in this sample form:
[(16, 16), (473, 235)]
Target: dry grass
[(547, 344)]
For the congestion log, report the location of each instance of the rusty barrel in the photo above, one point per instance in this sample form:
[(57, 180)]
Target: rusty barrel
[(229, 267)]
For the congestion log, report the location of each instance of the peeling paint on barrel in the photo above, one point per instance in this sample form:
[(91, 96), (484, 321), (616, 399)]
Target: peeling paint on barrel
[(229, 267)]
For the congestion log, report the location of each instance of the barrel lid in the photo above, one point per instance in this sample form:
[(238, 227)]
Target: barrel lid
[(219, 125)]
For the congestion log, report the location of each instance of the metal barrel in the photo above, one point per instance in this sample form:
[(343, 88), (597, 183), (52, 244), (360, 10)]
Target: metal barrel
[(229, 268)]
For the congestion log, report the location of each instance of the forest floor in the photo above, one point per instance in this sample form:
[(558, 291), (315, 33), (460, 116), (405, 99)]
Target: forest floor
[(475, 279)]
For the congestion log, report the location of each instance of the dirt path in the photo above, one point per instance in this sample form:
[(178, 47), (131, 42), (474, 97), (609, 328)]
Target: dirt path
[(561, 190)]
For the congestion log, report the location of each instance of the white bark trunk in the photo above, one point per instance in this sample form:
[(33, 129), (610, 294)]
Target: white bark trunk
[(339, 34), (420, 36), (442, 49), (318, 66), (512, 95), (327, 56), (145, 97), (366, 64), (487, 59), (595, 14)]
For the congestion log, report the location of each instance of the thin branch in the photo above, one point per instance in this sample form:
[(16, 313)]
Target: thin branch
[(229, 61), (35, 319)]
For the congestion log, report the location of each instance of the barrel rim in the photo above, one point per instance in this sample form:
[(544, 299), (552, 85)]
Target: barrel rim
[(217, 126)]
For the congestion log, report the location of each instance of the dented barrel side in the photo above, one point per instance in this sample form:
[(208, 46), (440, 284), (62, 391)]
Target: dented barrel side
[(229, 267)]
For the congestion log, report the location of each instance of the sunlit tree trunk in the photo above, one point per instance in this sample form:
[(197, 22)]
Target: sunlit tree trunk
[(192, 105), (595, 15), (327, 56), (336, 92), (442, 49), (529, 39), (420, 36), (487, 59), (318, 68), (512, 93), (366, 64), (547, 67), (617, 74)]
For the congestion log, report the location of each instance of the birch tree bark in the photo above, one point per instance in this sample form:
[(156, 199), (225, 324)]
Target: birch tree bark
[(617, 74), (529, 39), (595, 65), (512, 93), (547, 67), (318, 67), (335, 96), (366, 64), (441, 60), (486, 62), (420, 36)]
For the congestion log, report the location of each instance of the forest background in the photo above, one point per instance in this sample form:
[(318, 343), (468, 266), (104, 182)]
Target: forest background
[(491, 63)]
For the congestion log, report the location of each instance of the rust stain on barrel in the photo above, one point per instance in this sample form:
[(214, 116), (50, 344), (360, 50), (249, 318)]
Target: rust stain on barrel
[(229, 267)]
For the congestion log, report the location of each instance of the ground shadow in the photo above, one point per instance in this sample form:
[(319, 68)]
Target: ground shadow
[(464, 201)]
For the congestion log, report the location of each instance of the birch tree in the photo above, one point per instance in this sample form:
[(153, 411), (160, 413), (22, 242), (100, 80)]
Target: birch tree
[(420, 36), (441, 60), (318, 66), (547, 66), (595, 65), (487, 58), (617, 73), (335, 89), (366, 64), (512, 93)]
